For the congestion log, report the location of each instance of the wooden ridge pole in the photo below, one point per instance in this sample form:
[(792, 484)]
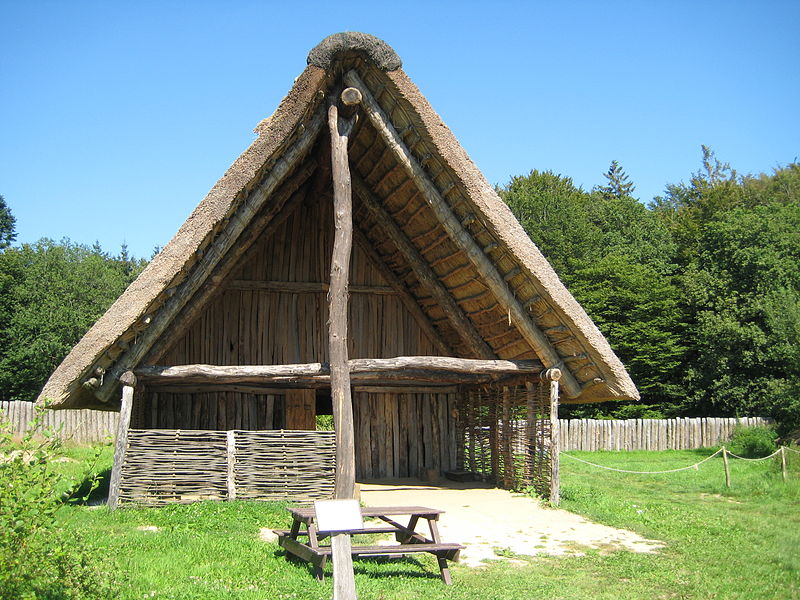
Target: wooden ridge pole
[(344, 586)]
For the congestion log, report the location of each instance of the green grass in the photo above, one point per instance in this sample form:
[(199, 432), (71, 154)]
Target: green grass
[(740, 543)]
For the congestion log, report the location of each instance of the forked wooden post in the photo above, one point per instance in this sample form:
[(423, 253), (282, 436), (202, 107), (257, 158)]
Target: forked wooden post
[(553, 375), (344, 587), (128, 380)]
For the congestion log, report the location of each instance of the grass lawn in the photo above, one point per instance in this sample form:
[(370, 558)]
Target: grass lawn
[(741, 543)]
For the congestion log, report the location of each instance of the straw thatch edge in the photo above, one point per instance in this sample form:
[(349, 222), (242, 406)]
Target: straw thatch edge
[(617, 384), (63, 389)]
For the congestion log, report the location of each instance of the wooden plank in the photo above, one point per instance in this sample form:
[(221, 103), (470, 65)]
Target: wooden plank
[(301, 409)]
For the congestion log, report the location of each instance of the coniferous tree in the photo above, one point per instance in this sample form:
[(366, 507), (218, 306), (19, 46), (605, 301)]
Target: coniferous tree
[(619, 184), (7, 225)]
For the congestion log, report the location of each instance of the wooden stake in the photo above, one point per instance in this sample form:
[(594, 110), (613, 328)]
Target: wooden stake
[(727, 467), (230, 455), (783, 463), (344, 586), (555, 439), (128, 381)]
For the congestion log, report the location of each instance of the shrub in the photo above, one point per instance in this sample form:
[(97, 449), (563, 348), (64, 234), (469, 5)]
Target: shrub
[(753, 442), (37, 559)]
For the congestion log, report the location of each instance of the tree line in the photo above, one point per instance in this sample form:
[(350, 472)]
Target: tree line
[(698, 291), (50, 294)]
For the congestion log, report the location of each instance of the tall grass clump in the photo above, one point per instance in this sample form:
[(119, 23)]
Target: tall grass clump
[(38, 559), (753, 442)]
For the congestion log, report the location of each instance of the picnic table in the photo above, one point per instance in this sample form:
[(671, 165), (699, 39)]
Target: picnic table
[(409, 541)]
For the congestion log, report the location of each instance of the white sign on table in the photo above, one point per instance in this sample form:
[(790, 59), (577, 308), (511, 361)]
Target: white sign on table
[(338, 515)]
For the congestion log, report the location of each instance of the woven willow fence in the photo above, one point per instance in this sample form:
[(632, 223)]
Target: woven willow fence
[(507, 435), (165, 466)]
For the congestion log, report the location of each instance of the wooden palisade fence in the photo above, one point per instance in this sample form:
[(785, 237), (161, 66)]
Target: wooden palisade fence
[(92, 426), (651, 434), (75, 426)]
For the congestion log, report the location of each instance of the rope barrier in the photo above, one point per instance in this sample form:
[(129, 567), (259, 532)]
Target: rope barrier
[(694, 466), (778, 451)]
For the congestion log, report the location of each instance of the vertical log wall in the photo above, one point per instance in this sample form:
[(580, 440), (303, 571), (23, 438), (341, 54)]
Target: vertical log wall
[(404, 435)]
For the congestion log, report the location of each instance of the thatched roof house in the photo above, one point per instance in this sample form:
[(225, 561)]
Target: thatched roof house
[(440, 267), (533, 316)]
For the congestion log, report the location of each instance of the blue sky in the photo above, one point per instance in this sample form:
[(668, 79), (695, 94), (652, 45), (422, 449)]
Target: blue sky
[(116, 118)]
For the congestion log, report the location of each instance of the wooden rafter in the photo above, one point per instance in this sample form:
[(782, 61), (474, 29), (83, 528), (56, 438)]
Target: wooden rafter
[(406, 297), (488, 271), (213, 255), (426, 276), (286, 202)]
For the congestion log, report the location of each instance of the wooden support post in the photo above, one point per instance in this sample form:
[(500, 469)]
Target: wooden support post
[(230, 454), (128, 380), (494, 445), (727, 467), (555, 439), (783, 464), (530, 434), (506, 433), (344, 586)]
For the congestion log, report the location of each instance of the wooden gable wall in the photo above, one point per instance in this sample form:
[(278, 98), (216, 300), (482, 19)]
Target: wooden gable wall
[(245, 325)]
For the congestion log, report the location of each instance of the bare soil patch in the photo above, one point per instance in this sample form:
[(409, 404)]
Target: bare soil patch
[(496, 524)]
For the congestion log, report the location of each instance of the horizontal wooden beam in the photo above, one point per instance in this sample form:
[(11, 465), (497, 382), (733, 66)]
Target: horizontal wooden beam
[(437, 369), (306, 287), (461, 237)]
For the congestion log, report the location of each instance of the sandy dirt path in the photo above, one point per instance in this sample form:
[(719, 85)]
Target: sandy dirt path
[(495, 524)]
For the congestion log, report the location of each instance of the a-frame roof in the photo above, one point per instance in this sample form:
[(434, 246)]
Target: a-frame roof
[(421, 207)]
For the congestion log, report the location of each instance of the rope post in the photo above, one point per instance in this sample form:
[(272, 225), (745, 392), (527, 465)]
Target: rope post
[(727, 467), (783, 464)]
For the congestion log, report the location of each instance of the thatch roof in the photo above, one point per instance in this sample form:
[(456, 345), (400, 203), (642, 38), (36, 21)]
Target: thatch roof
[(408, 164)]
